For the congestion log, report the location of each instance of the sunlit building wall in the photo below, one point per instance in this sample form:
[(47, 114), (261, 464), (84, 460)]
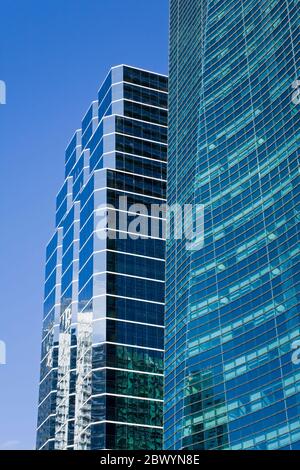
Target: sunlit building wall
[(102, 349)]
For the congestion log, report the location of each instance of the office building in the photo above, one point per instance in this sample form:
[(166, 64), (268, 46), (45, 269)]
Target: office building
[(232, 306), (103, 330)]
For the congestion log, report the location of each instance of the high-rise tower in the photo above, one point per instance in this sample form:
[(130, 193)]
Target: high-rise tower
[(232, 307), (102, 347)]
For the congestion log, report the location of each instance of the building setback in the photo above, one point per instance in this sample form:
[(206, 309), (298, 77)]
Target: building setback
[(103, 330), (232, 307)]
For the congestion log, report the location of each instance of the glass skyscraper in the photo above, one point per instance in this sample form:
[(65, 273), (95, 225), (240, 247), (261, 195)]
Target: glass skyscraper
[(232, 307), (102, 348)]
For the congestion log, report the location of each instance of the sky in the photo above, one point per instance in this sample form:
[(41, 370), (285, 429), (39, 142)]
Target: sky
[(54, 55)]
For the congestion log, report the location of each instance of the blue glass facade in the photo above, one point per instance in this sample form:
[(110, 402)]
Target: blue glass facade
[(102, 348), (232, 307)]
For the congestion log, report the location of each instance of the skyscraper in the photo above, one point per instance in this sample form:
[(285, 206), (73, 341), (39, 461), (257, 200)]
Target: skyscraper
[(232, 307), (102, 348)]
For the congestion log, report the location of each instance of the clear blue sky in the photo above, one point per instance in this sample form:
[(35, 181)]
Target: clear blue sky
[(53, 57)]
